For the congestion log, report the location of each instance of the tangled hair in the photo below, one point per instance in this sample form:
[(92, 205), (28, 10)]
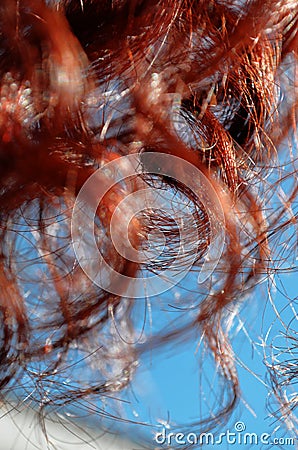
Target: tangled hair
[(85, 83)]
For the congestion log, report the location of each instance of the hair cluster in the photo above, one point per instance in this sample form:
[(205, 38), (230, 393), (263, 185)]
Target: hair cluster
[(84, 83)]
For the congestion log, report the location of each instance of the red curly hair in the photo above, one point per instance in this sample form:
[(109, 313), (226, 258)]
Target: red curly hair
[(85, 83)]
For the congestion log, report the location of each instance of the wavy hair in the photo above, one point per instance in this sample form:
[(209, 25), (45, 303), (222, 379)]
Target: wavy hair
[(85, 83)]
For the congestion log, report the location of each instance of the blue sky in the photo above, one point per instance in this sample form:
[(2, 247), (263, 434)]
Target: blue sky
[(167, 386), (175, 385)]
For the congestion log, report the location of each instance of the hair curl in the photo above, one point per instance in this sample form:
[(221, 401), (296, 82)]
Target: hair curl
[(83, 83)]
